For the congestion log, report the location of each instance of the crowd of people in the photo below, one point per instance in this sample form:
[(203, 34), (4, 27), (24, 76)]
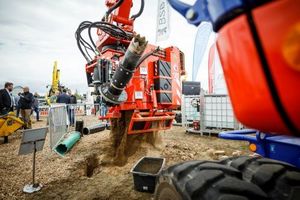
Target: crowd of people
[(25, 103), (66, 97)]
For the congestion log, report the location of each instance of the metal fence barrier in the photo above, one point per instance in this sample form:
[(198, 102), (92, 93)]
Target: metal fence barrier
[(79, 109), (58, 121)]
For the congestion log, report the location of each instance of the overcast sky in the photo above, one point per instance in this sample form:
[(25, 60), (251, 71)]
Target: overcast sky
[(35, 33)]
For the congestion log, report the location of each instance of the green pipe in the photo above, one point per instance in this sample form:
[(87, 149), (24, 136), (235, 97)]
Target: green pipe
[(67, 143)]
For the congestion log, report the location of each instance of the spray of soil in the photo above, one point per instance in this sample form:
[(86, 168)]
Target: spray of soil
[(124, 145)]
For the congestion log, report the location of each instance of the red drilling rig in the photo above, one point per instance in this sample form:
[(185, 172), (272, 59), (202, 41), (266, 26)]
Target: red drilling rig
[(131, 76)]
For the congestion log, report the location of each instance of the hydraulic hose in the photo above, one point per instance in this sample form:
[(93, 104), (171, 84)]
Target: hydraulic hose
[(140, 11), (118, 4)]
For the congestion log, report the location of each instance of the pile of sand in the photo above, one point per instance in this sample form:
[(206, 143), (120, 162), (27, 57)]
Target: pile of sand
[(124, 145)]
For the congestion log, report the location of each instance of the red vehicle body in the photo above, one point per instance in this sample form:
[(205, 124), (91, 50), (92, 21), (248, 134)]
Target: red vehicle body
[(274, 71)]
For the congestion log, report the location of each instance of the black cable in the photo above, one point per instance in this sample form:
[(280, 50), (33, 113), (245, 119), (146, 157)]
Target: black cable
[(90, 35), (140, 11), (144, 57), (86, 50), (81, 42), (108, 28), (81, 27), (114, 7)]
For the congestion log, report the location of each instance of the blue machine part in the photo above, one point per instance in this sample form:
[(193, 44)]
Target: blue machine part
[(218, 12), (278, 147)]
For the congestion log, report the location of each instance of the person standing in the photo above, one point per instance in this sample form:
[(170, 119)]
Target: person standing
[(71, 108), (25, 102), (35, 106), (17, 107), (103, 108), (6, 99), (63, 97), (97, 104), (53, 98)]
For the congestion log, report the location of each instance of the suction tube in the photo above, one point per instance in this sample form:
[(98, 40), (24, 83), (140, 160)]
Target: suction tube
[(114, 92)]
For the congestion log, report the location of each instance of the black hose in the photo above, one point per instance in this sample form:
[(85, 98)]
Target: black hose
[(114, 7), (79, 45), (90, 35), (108, 28), (140, 11), (81, 42), (144, 57)]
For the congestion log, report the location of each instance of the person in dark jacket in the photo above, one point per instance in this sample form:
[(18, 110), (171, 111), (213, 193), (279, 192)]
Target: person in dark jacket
[(6, 99), (35, 106), (25, 103), (71, 108), (63, 97), (73, 99)]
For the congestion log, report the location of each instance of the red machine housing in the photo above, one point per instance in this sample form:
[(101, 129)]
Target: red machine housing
[(155, 87), (263, 85)]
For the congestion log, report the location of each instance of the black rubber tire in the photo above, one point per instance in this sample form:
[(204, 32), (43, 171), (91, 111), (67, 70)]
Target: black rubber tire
[(205, 180), (279, 180)]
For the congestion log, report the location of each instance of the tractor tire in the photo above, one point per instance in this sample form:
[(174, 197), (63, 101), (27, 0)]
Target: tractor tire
[(205, 180), (279, 180)]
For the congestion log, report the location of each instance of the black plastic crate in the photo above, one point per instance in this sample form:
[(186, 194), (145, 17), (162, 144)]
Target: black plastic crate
[(191, 88), (145, 173)]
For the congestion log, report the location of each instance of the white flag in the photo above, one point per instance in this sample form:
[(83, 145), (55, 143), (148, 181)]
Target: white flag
[(163, 25)]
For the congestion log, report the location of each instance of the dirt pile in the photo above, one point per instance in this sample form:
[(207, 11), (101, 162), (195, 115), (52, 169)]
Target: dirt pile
[(124, 145)]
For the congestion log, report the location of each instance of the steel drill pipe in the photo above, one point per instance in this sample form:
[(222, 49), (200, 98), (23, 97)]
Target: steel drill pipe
[(114, 92), (79, 126), (94, 129)]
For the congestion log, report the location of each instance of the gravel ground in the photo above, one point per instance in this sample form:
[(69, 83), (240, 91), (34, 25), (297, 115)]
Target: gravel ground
[(80, 174)]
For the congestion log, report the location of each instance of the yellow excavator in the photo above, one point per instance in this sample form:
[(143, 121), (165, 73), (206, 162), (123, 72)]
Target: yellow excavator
[(55, 86)]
